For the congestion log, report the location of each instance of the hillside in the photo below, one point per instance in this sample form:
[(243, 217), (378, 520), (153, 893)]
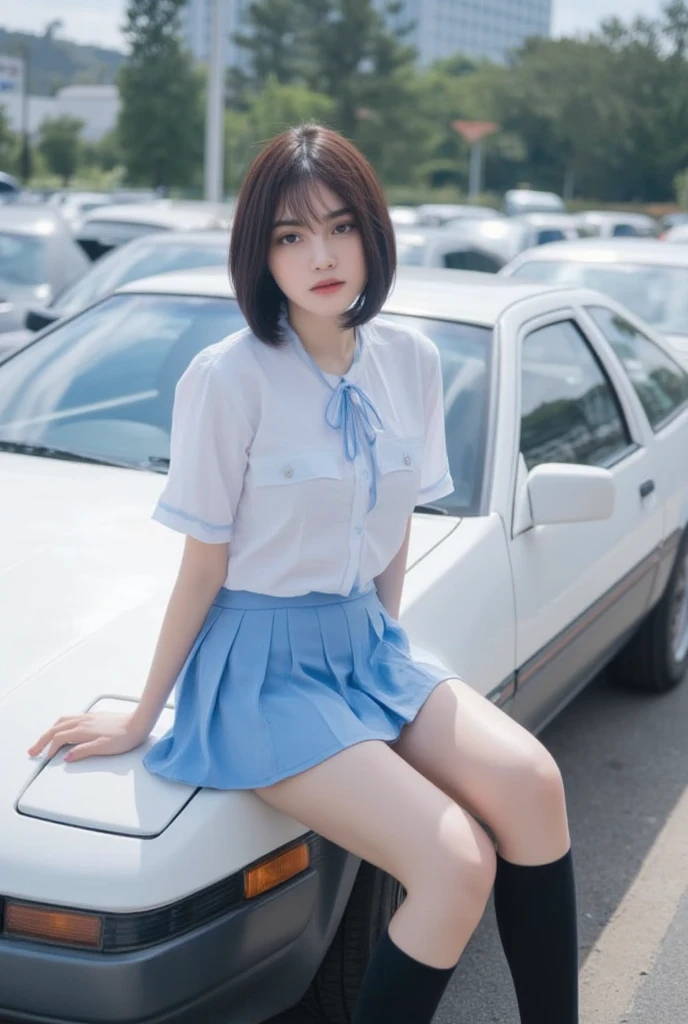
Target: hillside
[(55, 62)]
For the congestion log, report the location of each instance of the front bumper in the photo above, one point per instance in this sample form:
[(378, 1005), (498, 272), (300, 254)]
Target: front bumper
[(250, 963)]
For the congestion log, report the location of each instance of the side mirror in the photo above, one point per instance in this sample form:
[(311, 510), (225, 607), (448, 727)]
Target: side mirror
[(565, 493), (37, 319)]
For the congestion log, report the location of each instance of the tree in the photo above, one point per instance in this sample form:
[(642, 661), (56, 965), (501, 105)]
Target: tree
[(275, 40), (60, 145), (160, 126)]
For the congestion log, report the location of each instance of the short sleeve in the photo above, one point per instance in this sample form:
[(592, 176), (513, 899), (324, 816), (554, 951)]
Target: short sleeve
[(436, 481), (209, 444)]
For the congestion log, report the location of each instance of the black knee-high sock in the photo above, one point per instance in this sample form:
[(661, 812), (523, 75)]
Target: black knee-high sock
[(537, 919), (397, 989)]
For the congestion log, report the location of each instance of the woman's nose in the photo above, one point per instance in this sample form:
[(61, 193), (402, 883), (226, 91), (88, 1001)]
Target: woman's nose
[(323, 258)]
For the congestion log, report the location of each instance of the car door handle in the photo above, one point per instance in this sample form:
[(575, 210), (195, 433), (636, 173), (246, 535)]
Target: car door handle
[(646, 488)]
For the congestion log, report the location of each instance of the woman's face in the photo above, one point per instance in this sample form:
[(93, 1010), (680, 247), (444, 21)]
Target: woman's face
[(304, 258)]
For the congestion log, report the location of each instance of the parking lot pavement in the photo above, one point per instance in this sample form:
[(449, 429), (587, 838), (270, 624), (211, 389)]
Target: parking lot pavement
[(624, 759)]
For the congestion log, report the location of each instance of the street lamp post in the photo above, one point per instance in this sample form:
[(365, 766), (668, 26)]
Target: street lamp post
[(474, 132), (215, 107)]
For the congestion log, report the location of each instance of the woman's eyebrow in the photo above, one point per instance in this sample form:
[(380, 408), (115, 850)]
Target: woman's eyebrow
[(330, 215)]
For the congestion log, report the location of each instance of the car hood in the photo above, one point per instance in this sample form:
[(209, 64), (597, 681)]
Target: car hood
[(85, 576)]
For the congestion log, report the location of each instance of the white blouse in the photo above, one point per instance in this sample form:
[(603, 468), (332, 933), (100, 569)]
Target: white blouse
[(310, 476)]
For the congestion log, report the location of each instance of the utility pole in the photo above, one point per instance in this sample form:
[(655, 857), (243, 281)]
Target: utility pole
[(215, 108)]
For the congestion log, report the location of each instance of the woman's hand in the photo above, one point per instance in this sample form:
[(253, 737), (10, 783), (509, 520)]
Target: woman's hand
[(97, 733)]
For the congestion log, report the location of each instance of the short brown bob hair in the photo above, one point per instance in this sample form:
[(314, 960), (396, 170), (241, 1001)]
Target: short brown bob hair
[(286, 171)]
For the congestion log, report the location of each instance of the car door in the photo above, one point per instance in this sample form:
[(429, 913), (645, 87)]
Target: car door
[(579, 587)]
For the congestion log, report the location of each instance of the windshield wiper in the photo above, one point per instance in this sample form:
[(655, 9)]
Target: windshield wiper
[(157, 465), (435, 510)]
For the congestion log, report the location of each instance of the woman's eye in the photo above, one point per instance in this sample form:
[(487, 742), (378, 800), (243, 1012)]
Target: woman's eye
[(344, 229), (288, 239)]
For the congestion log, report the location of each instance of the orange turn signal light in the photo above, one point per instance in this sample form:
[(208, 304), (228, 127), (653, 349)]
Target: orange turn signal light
[(275, 870), (65, 927)]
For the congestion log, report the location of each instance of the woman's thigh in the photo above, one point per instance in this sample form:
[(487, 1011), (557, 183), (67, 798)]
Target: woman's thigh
[(493, 767), (373, 803)]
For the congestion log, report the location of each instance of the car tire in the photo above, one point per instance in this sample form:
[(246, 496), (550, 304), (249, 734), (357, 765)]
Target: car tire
[(655, 659), (332, 995)]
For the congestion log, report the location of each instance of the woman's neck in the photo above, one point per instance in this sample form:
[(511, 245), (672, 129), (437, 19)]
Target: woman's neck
[(329, 346)]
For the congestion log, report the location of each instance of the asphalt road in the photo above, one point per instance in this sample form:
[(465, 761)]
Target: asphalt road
[(624, 758)]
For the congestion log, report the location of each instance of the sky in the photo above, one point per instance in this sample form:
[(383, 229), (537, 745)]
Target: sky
[(99, 21)]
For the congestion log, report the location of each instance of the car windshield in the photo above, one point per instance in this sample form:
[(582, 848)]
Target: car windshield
[(102, 384), (23, 262), (657, 294), (133, 262)]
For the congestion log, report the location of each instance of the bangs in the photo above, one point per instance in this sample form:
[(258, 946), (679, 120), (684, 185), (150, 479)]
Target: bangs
[(298, 197)]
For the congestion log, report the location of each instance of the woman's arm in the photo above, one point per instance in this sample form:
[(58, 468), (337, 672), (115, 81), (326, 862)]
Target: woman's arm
[(201, 574), (390, 582)]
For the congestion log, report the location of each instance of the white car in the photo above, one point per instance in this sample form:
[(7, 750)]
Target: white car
[(646, 275), (617, 224), (126, 898)]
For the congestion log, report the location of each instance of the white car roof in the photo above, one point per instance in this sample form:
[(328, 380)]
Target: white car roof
[(161, 213), (613, 250), (452, 294)]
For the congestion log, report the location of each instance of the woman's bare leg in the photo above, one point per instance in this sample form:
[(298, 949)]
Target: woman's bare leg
[(368, 800)]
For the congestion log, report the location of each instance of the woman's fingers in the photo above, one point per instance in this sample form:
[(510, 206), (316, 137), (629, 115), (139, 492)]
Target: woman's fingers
[(67, 736), (83, 750), (59, 726)]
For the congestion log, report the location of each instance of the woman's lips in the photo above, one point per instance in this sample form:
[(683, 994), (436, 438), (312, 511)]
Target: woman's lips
[(328, 287)]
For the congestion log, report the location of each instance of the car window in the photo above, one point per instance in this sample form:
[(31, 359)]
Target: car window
[(660, 383), (131, 263), (625, 231), (465, 355), (103, 383), (469, 259), (547, 235), (657, 294), (569, 410), (23, 261)]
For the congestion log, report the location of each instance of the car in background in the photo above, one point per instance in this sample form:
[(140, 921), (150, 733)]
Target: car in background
[(608, 224), (74, 206), (152, 254), (106, 228), (453, 250), (544, 228), (524, 200), (38, 259), (10, 188), (673, 220), (129, 899), (434, 215), (403, 216), (647, 276), (677, 234)]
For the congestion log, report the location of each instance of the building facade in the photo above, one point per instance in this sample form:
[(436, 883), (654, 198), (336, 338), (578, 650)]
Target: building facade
[(441, 28)]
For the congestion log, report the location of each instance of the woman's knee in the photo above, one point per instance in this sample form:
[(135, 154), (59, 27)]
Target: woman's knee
[(534, 783), (459, 867)]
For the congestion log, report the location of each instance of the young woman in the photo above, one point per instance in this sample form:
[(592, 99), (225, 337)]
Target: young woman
[(299, 449)]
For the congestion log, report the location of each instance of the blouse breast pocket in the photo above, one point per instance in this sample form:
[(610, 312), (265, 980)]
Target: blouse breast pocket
[(399, 467)]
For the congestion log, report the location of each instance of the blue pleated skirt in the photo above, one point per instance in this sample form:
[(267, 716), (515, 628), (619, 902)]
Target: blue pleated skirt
[(273, 686)]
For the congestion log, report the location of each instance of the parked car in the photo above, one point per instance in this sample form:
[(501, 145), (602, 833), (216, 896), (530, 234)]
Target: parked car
[(439, 247), (10, 188), (434, 215), (38, 259), (678, 233), (606, 224), (75, 205), (544, 228), (403, 216), (524, 200), (106, 228), (647, 276), (127, 898), (157, 253), (673, 220)]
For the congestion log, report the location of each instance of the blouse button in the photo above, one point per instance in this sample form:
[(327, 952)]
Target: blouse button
[(288, 472), (407, 460)]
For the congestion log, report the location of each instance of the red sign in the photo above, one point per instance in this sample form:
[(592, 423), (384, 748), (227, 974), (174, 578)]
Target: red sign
[(474, 131)]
